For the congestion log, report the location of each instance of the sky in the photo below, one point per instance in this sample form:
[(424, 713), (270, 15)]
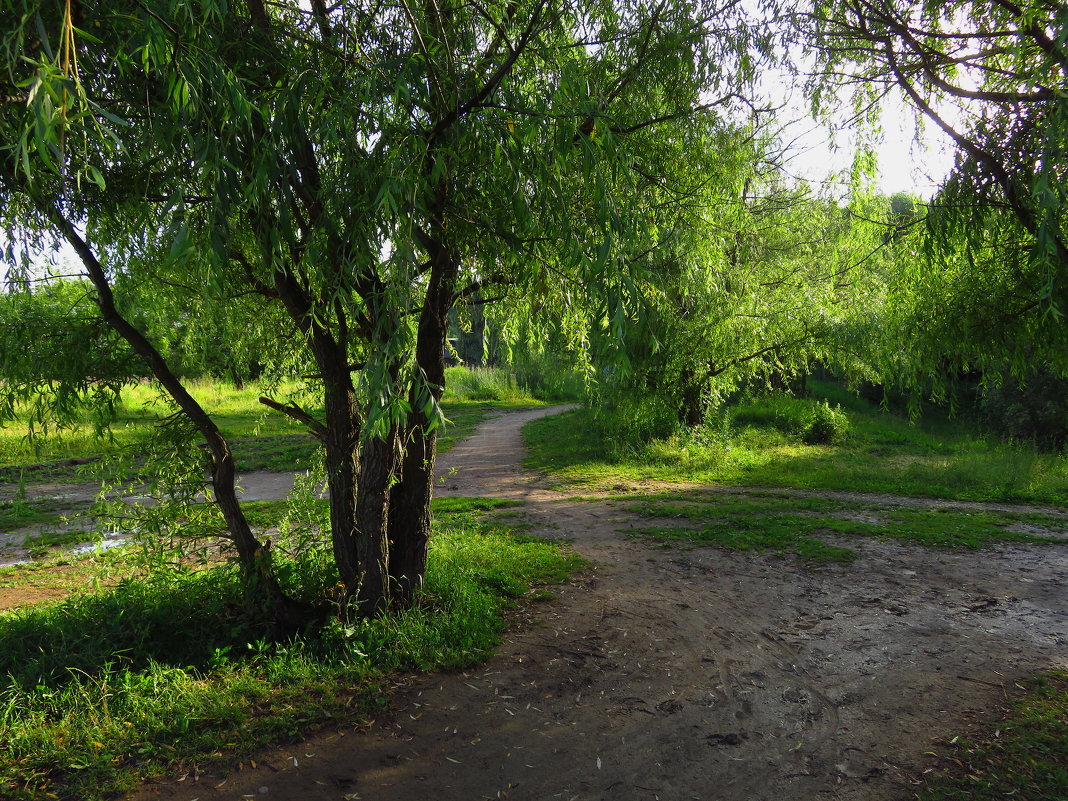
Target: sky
[(908, 162)]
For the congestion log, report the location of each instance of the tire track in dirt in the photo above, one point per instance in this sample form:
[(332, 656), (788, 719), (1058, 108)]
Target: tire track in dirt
[(690, 674)]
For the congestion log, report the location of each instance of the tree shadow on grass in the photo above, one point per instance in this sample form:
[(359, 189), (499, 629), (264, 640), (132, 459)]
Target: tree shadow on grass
[(185, 620)]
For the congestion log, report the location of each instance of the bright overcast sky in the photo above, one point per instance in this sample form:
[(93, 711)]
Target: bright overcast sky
[(907, 162)]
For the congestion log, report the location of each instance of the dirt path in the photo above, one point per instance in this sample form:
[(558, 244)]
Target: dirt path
[(696, 674)]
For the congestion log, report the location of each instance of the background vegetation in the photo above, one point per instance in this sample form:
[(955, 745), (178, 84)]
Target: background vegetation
[(766, 441)]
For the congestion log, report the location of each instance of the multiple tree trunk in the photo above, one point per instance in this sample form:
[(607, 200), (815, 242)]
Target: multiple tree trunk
[(379, 489)]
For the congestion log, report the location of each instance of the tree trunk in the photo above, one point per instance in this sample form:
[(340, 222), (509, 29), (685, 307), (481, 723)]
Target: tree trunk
[(692, 412), (347, 483), (409, 519), (340, 443), (409, 524), (262, 590), (379, 465)]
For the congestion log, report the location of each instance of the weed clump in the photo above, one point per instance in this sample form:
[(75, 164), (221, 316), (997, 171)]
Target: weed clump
[(812, 421), (828, 425)]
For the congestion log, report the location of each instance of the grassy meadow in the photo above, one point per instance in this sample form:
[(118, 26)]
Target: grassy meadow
[(756, 443), (760, 467), (262, 439)]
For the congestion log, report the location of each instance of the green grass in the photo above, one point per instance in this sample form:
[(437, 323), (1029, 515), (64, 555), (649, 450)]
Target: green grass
[(1023, 754), (21, 512), (484, 384), (57, 454), (56, 577), (542, 383), (882, 453), (261, 439), (802, 526), (41, 543), (237, 411), (162, 673)]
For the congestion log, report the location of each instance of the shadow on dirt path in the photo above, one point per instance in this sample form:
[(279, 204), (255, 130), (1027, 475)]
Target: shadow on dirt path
[(696, 674)]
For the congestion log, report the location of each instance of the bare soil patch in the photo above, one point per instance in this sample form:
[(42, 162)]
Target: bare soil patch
[(690, 674)]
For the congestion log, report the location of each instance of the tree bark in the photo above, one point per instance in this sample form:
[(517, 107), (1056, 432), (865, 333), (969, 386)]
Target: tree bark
[(340, 441), (692, 412), (379, 466), (410, 518)]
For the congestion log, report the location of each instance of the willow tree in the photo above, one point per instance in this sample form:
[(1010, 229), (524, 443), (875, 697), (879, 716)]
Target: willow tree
[(362, 168), (752, 279), (989, 287)]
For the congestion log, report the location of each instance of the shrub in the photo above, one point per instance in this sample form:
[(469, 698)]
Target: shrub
[(1029, 410), (827, 426), (813, 422)]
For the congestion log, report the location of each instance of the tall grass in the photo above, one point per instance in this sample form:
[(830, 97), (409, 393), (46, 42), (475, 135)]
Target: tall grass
[(812, 421), (558, 385), (484, 384)]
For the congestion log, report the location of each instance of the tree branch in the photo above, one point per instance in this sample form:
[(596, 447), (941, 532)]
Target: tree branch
[(316, 428)]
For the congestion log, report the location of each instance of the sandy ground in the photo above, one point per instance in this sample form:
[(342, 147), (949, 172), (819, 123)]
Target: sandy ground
[(691, 674)]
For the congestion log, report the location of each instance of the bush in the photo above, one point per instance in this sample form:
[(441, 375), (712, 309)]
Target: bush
[(827, 426), (813, 422)]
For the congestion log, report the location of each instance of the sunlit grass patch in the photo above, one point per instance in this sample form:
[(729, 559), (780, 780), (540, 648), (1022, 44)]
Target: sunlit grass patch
[(485, 384), (237, 411), (456, 505), (883, 454), (532, 385), (262, 439)]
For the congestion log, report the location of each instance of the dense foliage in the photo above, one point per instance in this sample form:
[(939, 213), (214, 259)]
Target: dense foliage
[(986, 288)]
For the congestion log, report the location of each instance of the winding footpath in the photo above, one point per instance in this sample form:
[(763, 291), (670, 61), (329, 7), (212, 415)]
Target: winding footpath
[(689, 674)]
